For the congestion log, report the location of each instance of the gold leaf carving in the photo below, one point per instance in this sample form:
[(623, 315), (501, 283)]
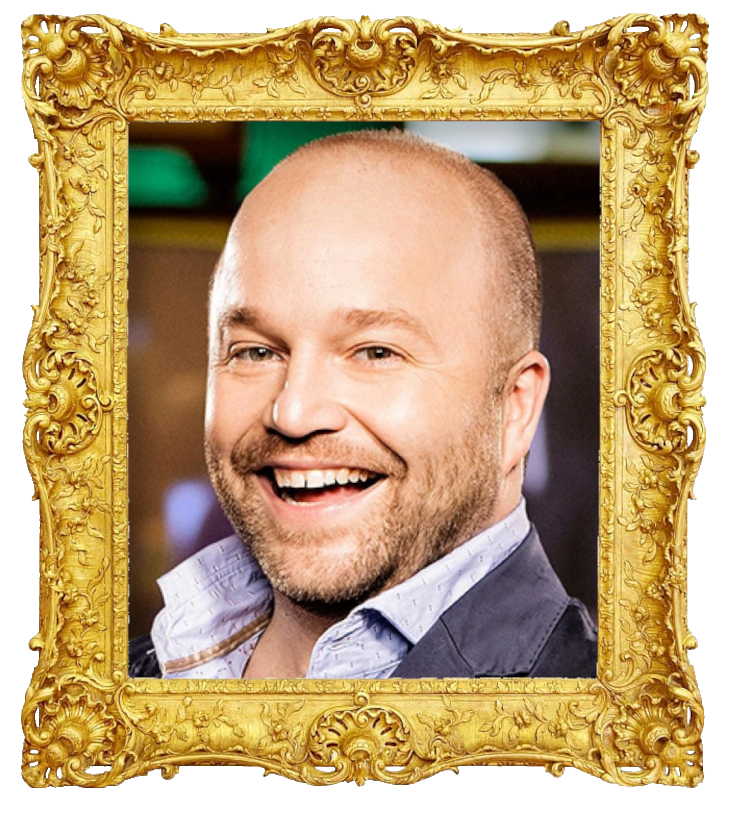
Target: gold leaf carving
[(65, 410), (365, 59), (284, 731), (70, 66), (644, 79), (442, 73), (445, 739), (69, 729), (282, 72), (200, 76), (361, 742), (656, 738), (664, 401), (564, 73), (654, 66)]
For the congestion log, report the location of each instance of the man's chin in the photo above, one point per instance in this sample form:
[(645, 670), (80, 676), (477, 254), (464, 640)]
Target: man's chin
[(323, 600), (327, 582)]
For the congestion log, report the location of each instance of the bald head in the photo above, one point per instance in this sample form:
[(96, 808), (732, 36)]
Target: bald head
[(412, 179)]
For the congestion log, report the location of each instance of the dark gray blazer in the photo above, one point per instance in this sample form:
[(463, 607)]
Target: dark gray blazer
[(517, 621)]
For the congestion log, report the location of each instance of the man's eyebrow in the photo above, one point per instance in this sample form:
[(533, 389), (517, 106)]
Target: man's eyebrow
[(374, 318), (248, 317), (241, 317)]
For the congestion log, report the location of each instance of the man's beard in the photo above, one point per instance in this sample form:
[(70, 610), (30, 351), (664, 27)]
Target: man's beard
[(454, 498)]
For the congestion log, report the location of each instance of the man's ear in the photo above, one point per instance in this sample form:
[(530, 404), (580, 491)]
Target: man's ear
[(524, 397)]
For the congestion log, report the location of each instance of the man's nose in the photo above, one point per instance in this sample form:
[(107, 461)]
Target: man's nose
[(309, 401)]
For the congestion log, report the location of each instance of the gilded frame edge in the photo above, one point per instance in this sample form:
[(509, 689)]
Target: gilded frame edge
[(644, 78)]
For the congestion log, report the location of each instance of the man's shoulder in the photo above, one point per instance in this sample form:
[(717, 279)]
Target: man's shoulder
[(571, 650), (517, 621), (142, 658)]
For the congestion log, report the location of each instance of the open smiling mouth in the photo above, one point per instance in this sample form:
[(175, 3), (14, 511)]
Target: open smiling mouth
[(319, 486)]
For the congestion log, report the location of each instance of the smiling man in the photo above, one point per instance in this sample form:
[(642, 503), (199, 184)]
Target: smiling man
[(373, 389)]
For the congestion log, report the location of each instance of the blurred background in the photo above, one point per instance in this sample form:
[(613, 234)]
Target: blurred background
[(186, 182)]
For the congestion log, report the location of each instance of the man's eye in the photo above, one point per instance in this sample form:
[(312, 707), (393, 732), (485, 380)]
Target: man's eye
[(376, 353), (257, 353)]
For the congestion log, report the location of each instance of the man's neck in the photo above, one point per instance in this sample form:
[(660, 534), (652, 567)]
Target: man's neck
[(284, 649)]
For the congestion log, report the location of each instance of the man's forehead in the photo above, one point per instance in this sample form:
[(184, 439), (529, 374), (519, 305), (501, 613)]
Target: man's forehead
[(354, 180), (396, 235), (358, 197)]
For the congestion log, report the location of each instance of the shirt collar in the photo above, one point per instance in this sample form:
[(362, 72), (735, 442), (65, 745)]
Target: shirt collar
[(415, 605), (214, 601)]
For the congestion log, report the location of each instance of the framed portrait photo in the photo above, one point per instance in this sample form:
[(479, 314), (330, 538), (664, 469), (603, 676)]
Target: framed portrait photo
[(364, 399)]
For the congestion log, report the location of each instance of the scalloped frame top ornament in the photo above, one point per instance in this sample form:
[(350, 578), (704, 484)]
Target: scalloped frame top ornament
[(84, 79)]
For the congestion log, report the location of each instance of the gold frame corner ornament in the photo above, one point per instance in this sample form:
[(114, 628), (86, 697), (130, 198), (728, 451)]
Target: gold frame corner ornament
[(644, 79)]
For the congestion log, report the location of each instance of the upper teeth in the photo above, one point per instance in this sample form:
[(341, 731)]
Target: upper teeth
[(315, 479)]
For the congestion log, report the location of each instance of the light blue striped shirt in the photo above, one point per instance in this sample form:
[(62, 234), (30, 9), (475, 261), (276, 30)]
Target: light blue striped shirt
[(218, 603)]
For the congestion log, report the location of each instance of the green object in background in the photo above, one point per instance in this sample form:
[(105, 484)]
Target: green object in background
[(164, 177), (267, 143)]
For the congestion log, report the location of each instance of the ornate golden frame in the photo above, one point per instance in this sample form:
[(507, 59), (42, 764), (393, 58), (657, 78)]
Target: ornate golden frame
[(85, 721)]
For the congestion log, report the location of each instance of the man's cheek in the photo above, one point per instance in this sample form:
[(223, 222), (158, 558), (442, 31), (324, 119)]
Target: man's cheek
[(403, 419), (233, 411)]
